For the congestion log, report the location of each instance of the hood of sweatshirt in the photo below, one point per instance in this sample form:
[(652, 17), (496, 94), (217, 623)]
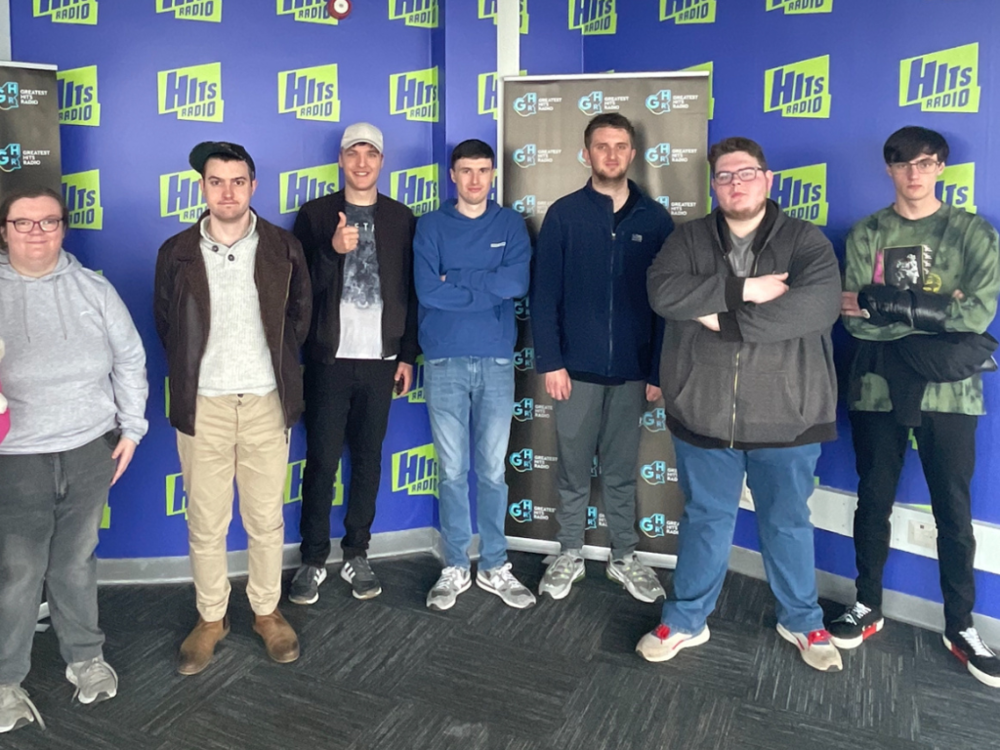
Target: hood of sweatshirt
[(12, 280)]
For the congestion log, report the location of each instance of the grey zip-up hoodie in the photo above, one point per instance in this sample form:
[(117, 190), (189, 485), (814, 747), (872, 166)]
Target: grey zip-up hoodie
[(75, 367)]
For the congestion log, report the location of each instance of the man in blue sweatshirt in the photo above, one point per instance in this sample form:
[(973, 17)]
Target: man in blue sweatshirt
[(597, 342), (471, 259)]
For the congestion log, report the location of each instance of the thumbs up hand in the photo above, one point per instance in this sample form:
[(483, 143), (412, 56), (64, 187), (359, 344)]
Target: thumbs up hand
[(345, 239)]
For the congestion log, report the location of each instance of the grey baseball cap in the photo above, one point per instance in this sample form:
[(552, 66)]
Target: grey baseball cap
[(361, 132)]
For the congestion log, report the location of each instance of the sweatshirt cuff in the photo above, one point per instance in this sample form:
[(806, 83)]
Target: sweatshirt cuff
[(734, 292), (457, 277), (729, 328)]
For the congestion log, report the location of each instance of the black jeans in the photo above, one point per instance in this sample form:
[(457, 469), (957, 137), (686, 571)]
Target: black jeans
[(347, 400), (946, 444)]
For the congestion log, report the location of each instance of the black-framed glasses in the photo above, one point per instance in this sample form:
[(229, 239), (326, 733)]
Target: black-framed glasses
[(25, 226), (744, 175), (924, 166)]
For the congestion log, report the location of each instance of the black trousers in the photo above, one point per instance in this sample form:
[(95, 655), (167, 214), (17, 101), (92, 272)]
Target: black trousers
[(946, 444), (347, 401)]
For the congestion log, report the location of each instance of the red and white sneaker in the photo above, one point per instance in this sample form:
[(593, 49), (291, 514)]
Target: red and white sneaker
[(816, 648), (977, 657), (662, 645)]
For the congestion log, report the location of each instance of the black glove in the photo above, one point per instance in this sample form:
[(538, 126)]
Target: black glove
[(921, 310)]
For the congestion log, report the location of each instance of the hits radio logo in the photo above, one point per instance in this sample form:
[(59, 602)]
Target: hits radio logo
[(800, 89), (800, 7), (654, 473), (10, 96), (421, 13), (593, 517), (524, 410), (522, 308), (67, 11), (82, 194), (524, 359), (945, 81), (488, 10), (176, 496), (654, 420), (311, 93), (180, 196), (709, 67), (306, 11), (658, 155), (523, 511), (193, 93), (302, 185), (688, 11), (415, 95), (957, 186), (415, 471), (416, 394), (488, 94), (78, 103), (801, 193), (192, 10), (593, 17), (417, 188), (522, 460), (659, 103), (296, 474), (653, 526)]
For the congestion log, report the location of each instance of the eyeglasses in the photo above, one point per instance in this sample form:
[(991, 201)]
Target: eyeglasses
[(747, 174), (24, 226), (924, 166)]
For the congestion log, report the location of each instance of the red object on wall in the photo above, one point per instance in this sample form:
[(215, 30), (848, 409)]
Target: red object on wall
[(339, 9)]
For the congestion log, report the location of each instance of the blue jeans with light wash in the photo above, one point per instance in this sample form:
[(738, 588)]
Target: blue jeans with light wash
[(458, 389), (781, 481)]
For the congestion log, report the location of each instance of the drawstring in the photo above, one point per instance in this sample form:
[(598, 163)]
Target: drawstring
[(62, 321), (24, 307)]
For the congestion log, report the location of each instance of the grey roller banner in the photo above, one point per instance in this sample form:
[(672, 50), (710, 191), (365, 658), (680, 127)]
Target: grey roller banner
[(542, 126), (29, 127)]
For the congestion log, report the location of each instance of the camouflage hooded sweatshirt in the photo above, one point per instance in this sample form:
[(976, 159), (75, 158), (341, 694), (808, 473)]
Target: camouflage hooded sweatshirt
[(961, 251)]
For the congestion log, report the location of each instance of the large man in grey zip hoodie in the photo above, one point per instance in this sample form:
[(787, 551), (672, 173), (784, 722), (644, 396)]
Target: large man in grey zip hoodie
[(749, 296)]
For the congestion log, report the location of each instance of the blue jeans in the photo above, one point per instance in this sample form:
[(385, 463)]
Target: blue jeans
[(456, 389), (781, 481)]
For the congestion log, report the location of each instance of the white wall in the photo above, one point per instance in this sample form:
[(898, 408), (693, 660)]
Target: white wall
[(4, 29)]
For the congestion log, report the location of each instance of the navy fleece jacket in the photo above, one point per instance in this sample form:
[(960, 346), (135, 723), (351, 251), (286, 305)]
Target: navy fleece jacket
[(589, 309), (485, 263)]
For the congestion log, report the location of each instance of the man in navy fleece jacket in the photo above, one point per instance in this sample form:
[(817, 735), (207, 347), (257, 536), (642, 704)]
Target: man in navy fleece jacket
[(597, 341), (471, 259)]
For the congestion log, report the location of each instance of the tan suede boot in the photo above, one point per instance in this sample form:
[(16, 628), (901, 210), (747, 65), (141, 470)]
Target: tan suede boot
[(279, 639), (198, 647)]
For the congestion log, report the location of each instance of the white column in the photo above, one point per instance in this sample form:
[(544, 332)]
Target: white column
[(508, 64), (5, 30)]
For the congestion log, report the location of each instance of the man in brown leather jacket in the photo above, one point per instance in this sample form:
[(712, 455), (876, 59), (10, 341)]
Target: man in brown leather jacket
[(232, 303)]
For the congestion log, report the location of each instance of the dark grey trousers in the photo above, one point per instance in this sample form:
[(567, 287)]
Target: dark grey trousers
[(50, 512), (603, 420)]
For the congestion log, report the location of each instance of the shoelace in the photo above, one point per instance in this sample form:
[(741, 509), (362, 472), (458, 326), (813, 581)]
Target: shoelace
[(450, 578), (19, 694), (855, 614), (818, 636), (361, 569), (971, 636), (561, 567), (662, 632), (503, 579), (636, 570), (97, 669)]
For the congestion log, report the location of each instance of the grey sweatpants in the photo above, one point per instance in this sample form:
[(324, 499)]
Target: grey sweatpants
[(50, 511), (603, 420)]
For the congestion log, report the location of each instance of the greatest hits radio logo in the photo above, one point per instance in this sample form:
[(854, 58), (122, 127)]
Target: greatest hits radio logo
[(11, 158), (654, 420), (658, 155), (311, 93), (193, 93), (523, 511), (657, 525), (657, 472)]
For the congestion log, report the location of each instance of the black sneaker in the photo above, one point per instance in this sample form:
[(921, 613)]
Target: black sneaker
[(975, 655), (854, 625), (305, 584), (364, 582)]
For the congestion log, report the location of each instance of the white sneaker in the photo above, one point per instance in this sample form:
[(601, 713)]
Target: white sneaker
[(453, 581), (501, 581), (561, 574), (816, 648), (16, 709), (94, 680), (662, 645), (638, 579)]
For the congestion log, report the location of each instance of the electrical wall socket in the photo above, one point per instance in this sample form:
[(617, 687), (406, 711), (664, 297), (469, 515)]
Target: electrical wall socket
[(921, 534)]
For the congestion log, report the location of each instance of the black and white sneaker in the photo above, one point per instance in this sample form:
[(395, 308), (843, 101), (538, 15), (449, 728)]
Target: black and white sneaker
[(979, 658), (305, 584), (364, 582), (854, 625)]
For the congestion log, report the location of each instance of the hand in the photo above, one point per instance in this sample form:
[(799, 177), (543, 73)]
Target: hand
[(122, 453), (711, 322), (443, 277), (849, 306), (958, 294), (558, 385), (653, 393), (761, 289), (345, 238), (404, 372)]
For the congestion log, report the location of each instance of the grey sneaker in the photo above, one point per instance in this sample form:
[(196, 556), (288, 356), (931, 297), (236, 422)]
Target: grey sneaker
[(16, 709), (94, 679), (501, 581), (453, 581), (364, 582), (639, 580), (305, 584), (561, 574)]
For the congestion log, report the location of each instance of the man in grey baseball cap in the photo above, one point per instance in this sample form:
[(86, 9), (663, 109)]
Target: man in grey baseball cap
[(362, 343)]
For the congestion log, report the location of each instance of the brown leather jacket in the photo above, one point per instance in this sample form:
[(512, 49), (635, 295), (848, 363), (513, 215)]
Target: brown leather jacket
[(181, 309)]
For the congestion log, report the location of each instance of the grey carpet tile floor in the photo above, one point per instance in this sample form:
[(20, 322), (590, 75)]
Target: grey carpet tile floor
[(388, 674)]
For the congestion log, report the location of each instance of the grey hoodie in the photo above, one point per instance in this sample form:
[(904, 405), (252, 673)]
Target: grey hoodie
[(75, 367)]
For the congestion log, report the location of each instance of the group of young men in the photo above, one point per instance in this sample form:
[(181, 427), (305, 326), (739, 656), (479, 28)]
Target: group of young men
[(728, 318)]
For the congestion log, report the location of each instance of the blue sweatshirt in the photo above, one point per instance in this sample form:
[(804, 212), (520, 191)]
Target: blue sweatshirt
[(589, 310), (485, 262)]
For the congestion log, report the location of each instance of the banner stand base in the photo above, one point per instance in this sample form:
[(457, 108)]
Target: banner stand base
[(590, 552)]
